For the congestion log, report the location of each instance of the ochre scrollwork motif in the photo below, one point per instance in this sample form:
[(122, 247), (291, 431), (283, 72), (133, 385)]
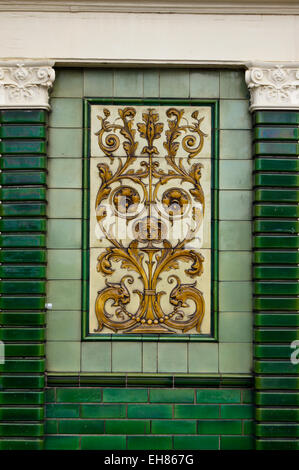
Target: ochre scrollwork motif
[(147, 194)]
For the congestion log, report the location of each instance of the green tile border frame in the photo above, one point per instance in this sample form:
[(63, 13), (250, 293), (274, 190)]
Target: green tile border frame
[(22, 241), (214, 104), (275, 302)]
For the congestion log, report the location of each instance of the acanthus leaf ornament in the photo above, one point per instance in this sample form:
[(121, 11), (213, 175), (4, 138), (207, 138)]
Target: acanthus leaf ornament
[(129, 180), (25, 84), (273, 86)]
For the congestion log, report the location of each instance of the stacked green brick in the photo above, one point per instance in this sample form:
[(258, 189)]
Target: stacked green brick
[(23, 270), (275, 273), (148, 418)]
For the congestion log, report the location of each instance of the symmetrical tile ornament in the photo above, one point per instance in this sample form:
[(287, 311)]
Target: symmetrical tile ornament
[(150, 211), (273, 86), (25, 84)]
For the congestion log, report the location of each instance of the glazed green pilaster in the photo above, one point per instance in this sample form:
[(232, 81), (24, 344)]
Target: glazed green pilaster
[(275, 274), (23, 262)]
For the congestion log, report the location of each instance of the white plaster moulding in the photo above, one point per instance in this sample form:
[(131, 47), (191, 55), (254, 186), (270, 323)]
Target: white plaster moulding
[(237, 7), (25, 84), (273, 85)]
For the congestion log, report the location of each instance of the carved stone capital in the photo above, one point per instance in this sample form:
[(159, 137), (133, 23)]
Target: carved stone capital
[(25, 84), (273, 86)]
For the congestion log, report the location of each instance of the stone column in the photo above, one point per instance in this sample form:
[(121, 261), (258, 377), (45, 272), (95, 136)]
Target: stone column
[(274, 93), (24, 87)]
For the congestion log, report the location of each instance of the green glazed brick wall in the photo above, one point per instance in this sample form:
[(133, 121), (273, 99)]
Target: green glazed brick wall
[(149, 418), (65, 350), (23, 271), (276, 272)]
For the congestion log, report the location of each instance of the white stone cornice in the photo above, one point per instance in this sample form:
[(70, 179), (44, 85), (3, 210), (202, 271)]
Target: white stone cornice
[(25, 83), (273, 86)]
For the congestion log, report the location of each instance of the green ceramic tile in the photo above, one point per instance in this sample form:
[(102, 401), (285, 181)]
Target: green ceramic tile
[(23, 193), (235, 174), (23, 146), (19, 319), (64, 264), (276, 164), (237, 443), (272, 351), (276, 117), (232, 84), (128, 83), (203, 358), (68, 83), (276, 367), (22, 272), (275, 148), (122, 395), (277, 414), (196, 442), (125, 426), (66, 112), (22, 287), (196, 411), (219, 427), (173, 426), (247, 396), (23, 209), (21, 398), (63, 356), (235, 266), (274, 179), (174, 83), (235, 144), (276, 210), (62, 411), (204, 84), (235, 296), (18, 116), (149, 357), (236, 411), (277, 430), (71, 207), (235, 235), (126, 357), (235, 327), (23, 162), (172, 357), (276, 133), (277, 383), (277, 398), (22, 178), (22, 132), (21, 444), (25, 429), (78, 395), (276, 272), (98, 82), (276, 195), (21, 414), (22, 381), (235, 358), (22, 303), (268, 319), (62, 443), (23, 225), (278, 335), (281, 241), (149, 442), (150, 411), (64, 234), (276, 288), (103, 443), (64, 173), (234, 114), (65, 143), (96, 357), (235, 205), (102, 411), (51, 426), (82, 426), (32, 350), (56, 326), (50, 395), (277, 444), (64, 295), (175, 395), (151, 83)]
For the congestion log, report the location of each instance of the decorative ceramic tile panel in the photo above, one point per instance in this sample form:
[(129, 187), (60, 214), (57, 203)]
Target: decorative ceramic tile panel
[(150, 220)]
